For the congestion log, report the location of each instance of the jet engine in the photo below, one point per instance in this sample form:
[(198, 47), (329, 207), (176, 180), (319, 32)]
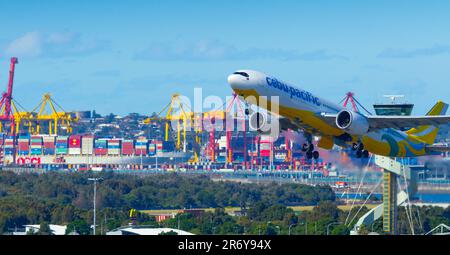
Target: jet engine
[(258, 122), (352, 122)]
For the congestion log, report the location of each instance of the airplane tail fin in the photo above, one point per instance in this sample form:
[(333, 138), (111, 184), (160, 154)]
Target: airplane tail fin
[(428, 133)]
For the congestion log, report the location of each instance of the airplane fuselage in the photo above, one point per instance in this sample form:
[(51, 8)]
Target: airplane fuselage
[(303, 109)]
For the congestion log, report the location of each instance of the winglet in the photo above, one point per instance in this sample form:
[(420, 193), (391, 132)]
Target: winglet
[(428, 133)]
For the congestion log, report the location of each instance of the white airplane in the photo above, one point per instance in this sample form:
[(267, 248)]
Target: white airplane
[(334, 124)]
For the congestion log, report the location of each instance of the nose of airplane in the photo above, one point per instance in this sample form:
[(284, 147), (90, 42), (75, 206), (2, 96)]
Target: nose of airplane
[(232, 79), (237, 81)]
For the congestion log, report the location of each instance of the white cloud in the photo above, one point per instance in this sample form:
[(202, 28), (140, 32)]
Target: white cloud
[(59, 44), (216, 50), (29, 45), (420, 52), (60, 38)]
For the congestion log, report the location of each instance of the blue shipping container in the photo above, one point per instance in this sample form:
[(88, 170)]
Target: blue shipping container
[(49, 151), (36, 151), (23, 152), (9, 151)]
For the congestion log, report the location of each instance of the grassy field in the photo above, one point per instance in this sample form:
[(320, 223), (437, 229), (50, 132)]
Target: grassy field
[(231, 209)]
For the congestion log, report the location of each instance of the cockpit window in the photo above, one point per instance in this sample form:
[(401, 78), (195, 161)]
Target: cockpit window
[(242, 73)]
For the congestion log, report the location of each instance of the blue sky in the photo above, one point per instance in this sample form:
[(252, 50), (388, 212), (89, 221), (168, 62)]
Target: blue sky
[(130, 56)]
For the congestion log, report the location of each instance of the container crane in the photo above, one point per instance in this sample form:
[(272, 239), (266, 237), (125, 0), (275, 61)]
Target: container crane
[(5, 103), (243, 112), (350, 96), (183, 117), (5, 106), (52, 117)]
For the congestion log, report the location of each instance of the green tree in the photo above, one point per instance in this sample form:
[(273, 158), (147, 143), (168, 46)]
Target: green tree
[(79, 226), (168, 233), (44, 229)]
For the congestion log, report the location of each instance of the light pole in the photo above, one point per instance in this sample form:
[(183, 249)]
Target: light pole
[(95, 180), (293, 224), (278, 227), (306, 227), (279, 230), (332, 223)]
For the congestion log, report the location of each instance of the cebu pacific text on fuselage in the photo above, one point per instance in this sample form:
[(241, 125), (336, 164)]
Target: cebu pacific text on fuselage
[(294, 92)]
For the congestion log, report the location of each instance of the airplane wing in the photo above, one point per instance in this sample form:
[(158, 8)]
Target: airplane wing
[(286, 123), (438, 148), (398, 122)]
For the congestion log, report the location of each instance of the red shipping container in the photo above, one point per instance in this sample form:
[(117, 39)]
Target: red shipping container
[(100, 151), (141, 152), (265, 153), (127, 148), (75, 141), (49, 145)]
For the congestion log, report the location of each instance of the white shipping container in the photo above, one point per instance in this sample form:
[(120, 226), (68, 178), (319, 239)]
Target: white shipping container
[(114, 151), (87, 145), (74, 151), (332, 174)]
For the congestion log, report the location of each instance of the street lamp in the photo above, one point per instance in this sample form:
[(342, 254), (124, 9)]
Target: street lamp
[(278, 227), (332, 223), (306, 227), (95, 180), (293, 224)]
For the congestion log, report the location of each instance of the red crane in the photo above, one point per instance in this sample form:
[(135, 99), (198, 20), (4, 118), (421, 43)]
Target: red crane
[(350, 96), (241, 110), (5, 102)]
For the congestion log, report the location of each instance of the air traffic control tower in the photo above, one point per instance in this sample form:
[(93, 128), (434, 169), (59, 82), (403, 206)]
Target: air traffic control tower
[(392, 169), (390, 185)]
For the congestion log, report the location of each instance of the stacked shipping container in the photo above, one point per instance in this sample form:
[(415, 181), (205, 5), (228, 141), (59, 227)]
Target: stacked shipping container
[(159, 145), (100, 147), (9, 145), (61, 145), (75, 145), (49, 145), (36, 145), (140, 147), (23, 145), (265, 146), (152, 149), (87, 144), (114, 147), (127, 147)]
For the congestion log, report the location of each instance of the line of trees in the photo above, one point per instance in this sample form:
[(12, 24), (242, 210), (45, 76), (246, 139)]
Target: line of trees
[(61, 198)]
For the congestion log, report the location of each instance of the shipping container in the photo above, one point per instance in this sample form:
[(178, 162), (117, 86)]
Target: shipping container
[(36, 151), (168, 146), (159, 145), (36, 140), (61, 151), (49, 151), (23, 152), (75, 142), (127, 147), (152, 149), (140, 147), (74, 151), (100, 144), (114, 146), (9, 151), (100, 151), (87, 144), (61, 143)]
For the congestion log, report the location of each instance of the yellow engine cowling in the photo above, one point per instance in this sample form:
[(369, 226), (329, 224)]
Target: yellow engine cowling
[(326, 142)]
